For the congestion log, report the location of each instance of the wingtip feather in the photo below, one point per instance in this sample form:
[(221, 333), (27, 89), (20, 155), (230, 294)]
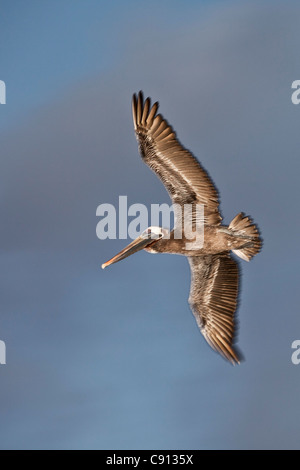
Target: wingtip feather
[(134, 106)]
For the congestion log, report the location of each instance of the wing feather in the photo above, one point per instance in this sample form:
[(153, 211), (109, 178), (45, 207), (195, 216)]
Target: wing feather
[(181, 173), (213, 300)]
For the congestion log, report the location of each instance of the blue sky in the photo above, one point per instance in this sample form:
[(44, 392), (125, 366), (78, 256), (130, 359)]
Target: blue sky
[(50, 45), (113, 359)]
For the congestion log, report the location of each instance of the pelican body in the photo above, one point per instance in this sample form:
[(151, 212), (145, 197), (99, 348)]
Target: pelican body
[(214, 273)]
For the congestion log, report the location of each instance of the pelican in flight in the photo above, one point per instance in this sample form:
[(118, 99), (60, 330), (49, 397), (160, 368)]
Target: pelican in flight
[(214, 273)]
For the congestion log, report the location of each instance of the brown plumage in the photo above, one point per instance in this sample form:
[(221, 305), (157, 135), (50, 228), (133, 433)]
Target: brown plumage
[(213, 300), (214, 274), (181, 173)]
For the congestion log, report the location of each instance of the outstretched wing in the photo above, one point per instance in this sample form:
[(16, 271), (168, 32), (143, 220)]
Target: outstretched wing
[(213, 300), (181, 173)]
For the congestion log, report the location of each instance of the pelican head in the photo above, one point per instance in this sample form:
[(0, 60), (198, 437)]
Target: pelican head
[(148, 237), (155, 233)]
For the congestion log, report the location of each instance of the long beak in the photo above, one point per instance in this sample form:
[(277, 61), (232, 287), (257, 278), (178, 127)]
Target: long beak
[(132, 248)]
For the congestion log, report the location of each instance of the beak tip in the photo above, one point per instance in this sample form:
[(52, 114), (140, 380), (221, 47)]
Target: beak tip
[(103, 266)]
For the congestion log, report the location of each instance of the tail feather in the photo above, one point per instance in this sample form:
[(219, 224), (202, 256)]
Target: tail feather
[(244, 227)]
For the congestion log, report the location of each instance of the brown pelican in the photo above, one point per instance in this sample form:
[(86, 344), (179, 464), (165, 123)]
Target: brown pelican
[(214, 273)]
